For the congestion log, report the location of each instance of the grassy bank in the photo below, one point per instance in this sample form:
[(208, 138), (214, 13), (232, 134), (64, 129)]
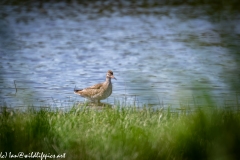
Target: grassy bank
[(123, 133)]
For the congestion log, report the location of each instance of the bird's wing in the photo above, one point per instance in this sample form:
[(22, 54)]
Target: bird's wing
[(96, 86), (90, 91)]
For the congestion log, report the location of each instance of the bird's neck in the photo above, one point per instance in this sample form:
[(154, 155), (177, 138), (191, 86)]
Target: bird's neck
[(108, 80)]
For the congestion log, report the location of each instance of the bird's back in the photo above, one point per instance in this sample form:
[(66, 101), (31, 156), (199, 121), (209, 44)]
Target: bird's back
[(96, 92)]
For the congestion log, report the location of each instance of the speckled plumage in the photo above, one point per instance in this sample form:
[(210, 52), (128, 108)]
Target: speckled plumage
[(98, 91)]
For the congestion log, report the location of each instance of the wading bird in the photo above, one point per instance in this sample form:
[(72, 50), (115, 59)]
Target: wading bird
[(98, 91)]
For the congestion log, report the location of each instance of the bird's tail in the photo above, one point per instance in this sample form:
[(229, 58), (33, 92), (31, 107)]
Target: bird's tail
[(76, 90)]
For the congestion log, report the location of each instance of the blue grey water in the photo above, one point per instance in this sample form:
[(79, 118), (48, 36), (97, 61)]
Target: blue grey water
[(161, 56)]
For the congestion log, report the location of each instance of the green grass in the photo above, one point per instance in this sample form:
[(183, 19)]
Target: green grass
[(123, 133)]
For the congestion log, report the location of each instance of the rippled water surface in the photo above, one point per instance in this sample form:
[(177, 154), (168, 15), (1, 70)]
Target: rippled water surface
[(164, 55)]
